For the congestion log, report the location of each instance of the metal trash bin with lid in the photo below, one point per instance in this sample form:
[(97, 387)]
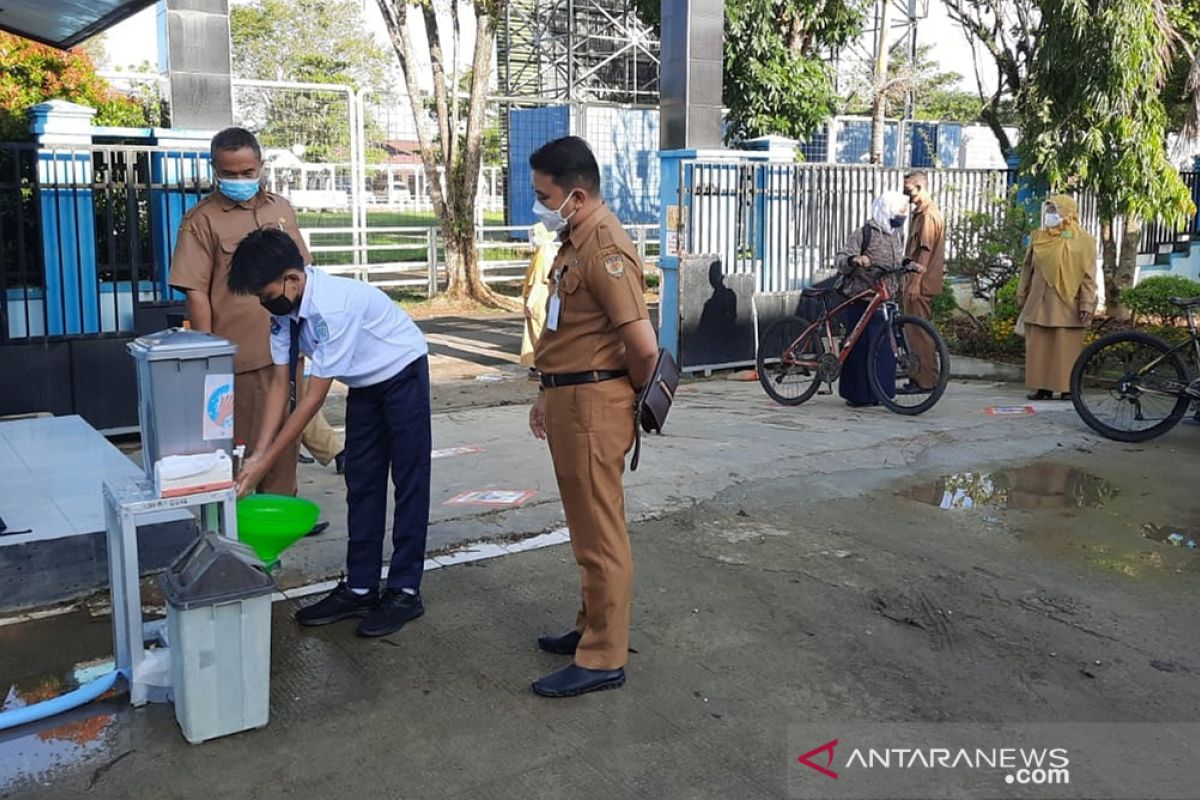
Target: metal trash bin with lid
[(185, 393), (219, 630)]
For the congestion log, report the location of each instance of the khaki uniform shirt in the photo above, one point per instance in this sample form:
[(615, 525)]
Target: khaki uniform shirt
[(1041, 304), (600, 285), (927, 245), (208, 235)]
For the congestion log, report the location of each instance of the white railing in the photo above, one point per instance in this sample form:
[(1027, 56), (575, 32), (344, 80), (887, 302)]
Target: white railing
[(503, 256)]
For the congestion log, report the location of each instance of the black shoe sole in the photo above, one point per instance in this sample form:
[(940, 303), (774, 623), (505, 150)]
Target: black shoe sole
[(375, 634), (356, 614), (617, 684)]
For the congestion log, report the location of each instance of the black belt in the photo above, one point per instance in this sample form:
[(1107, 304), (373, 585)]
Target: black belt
[(575, 378)]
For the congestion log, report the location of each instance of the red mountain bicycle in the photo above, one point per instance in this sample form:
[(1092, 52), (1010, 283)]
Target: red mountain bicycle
[(795, 355)]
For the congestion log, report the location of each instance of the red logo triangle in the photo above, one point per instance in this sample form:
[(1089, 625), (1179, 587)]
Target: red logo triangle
[(826, 748)]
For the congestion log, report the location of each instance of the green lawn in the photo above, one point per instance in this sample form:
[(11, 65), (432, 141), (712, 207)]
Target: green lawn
[(402, 246)]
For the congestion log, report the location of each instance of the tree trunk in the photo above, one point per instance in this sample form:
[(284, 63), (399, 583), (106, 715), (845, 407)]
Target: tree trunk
[(460, 161), (991, 115), (1126, 268), (879, 101), (1108, 248)]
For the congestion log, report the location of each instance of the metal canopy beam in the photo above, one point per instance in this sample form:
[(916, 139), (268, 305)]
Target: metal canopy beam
[(65, 23)]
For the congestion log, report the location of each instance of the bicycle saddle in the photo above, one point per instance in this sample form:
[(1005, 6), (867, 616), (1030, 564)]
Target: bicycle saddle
[(1185, 302)]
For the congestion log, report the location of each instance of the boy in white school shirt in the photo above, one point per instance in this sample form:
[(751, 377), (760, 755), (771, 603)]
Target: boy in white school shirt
[(351, 332)]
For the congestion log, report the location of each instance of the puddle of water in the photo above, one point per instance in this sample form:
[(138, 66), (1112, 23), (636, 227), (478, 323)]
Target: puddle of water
[(1186, 538), (36, 753), (1037, 486)]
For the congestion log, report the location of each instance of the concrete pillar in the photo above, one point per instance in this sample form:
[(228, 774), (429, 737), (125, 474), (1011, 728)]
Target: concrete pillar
[(193, 51), (693, 37), (68, 219)]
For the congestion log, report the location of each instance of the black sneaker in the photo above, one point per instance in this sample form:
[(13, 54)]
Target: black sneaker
[(339, 604), (393, 611)]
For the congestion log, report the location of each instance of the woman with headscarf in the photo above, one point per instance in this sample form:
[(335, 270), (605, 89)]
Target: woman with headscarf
[(1057, 297), (878, 243), (536, 289)]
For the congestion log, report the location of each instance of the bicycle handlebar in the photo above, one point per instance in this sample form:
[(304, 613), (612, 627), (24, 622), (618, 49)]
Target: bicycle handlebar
[(903, 268)]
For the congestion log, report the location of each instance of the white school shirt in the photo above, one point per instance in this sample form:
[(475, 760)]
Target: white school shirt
[(350, 331)]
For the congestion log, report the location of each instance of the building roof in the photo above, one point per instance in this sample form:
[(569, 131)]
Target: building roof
[(65, 23)]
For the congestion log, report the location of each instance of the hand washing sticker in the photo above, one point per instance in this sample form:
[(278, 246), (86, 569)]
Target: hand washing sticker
[(218, 407)]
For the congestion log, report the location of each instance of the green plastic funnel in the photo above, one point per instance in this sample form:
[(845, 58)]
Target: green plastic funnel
[(271, 523)]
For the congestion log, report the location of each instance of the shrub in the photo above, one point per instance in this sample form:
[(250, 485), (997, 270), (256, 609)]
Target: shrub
[(943, 307), (1004, 304), (31, 73), (1152, 297), (990, 247)]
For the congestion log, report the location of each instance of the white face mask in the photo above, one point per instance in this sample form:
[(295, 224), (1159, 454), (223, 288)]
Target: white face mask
[(1051, 219), (551, 218)]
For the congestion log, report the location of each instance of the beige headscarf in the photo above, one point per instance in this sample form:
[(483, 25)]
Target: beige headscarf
[(1064, 254)]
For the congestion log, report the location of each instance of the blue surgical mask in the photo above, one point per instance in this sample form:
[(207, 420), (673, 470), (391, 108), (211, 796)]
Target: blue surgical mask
[(239, 190), (552, 219), (898, 221)]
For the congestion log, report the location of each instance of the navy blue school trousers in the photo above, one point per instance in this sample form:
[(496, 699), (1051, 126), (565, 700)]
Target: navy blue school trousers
[(388, 430)]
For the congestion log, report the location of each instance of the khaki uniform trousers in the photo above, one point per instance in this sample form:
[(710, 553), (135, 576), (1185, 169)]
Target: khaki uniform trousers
[(249, 397), (319, 437), (590, 430), (922, 346)]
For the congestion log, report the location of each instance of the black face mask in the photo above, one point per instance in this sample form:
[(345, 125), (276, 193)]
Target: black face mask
[(279, 306)]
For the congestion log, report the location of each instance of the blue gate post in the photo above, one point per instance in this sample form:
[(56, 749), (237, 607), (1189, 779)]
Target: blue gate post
[(68, 217), (671, 211), (177, 172), (1196, 193)]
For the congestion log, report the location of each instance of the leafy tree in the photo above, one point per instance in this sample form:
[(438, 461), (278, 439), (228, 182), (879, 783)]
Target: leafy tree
[(1007, 30), (923, 77), (1094, 118), (305, 41), (778, 75), (452, 154), (1182, 91), (32, 73)]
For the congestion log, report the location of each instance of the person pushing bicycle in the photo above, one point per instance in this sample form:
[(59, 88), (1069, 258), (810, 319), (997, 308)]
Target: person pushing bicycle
[(878, 243)]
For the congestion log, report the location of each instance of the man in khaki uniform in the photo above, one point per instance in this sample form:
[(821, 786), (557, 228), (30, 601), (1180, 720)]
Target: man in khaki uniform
[(597, 346), (208, 237), (926, 247)]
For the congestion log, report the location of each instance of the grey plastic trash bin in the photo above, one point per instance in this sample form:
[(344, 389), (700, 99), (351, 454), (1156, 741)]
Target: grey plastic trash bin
[(185, 393), (219, 628)]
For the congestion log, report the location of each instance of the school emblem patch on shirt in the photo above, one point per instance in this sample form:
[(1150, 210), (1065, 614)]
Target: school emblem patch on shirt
[(321, 331), (615, 265), (275, 326)]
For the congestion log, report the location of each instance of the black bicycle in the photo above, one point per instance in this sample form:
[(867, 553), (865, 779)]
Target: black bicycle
[(1131, 386)]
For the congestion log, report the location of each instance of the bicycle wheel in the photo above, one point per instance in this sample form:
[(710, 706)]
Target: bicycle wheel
[(1119, 396), (787, 363), (910, 365)]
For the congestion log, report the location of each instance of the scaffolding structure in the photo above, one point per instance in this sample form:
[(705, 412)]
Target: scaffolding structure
[(577, 51)]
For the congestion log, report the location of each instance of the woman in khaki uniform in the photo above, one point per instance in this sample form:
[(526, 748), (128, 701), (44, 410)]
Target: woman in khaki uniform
[(1057, 297), (537, 289)]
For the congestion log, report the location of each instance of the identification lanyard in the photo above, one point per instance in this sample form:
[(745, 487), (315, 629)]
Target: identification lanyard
[(555, 309)]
